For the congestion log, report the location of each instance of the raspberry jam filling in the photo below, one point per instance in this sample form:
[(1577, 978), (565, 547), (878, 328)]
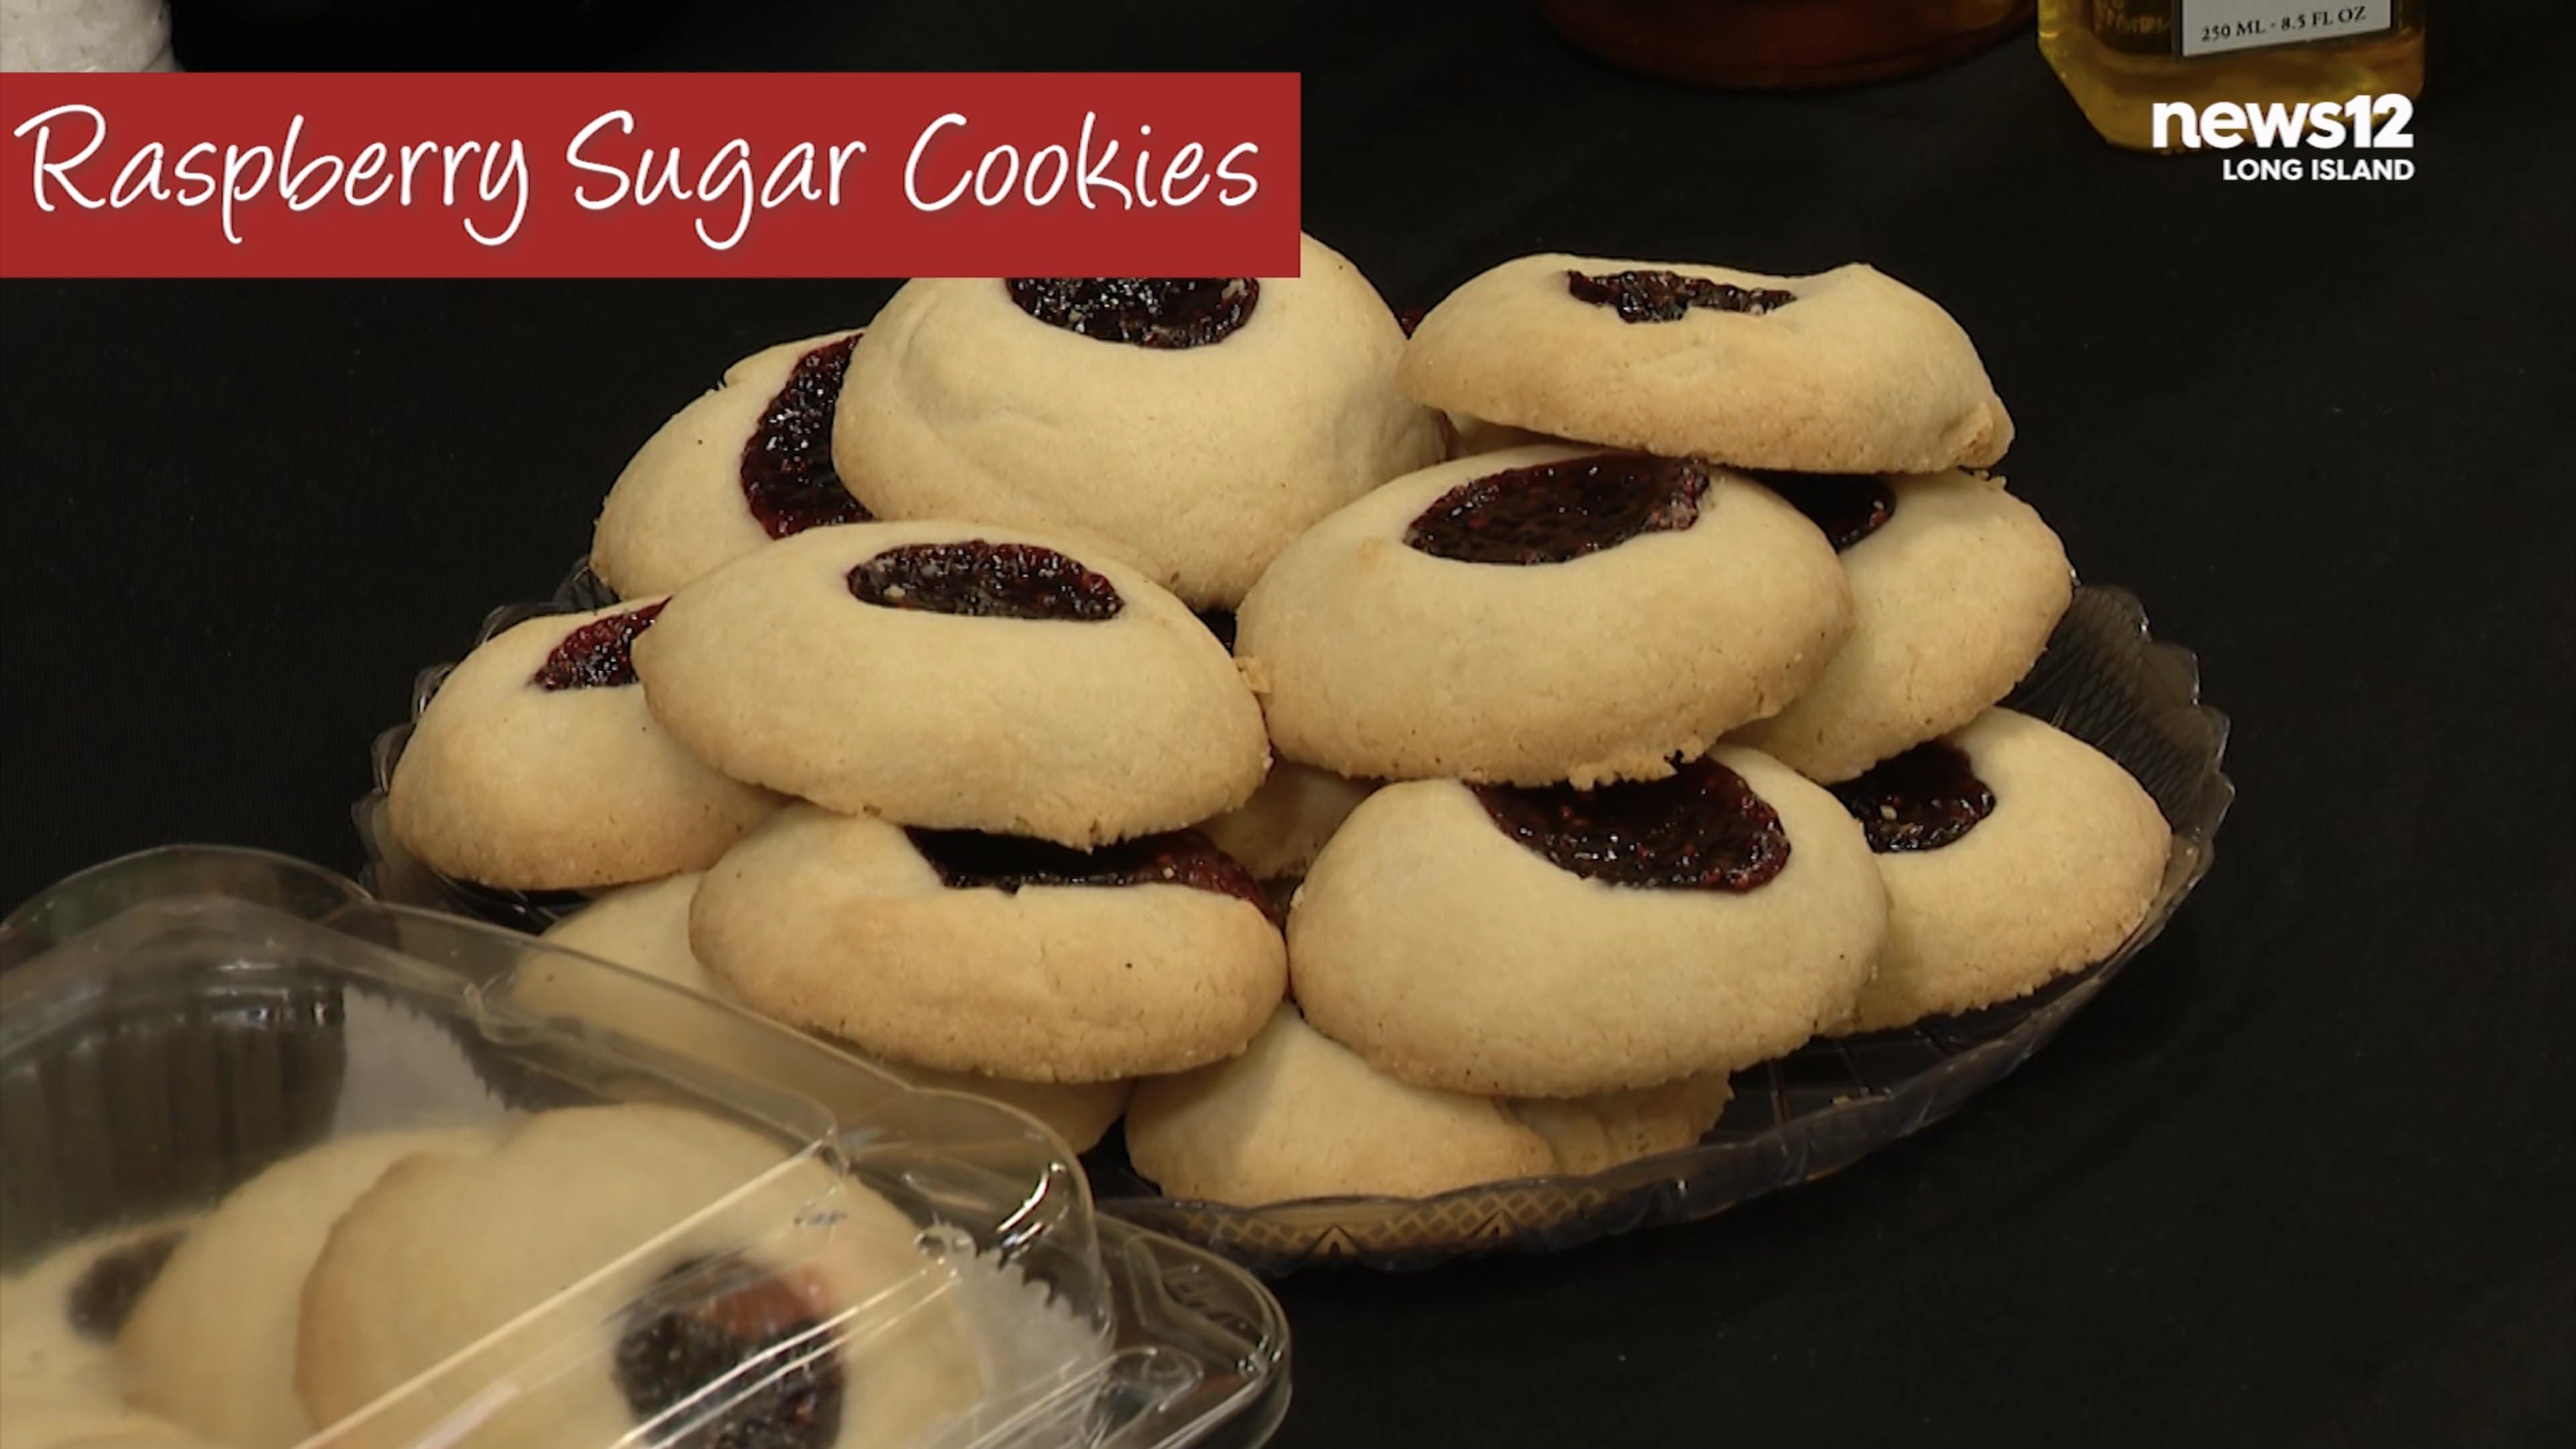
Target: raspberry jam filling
[(745, 1340), (985, 581), (787, 473), (1165, 313), (1660, 296), (599, 654), (107, 1291), (1923, 799), (972, 860), (1702, 829), (1847, 506), (1556, 512)]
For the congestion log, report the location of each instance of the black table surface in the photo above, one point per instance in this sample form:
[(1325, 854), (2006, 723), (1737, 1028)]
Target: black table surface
[(2303, 1175)]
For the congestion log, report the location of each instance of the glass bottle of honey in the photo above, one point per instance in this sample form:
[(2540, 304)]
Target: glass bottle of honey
[(2120, 58), (1784, 44)]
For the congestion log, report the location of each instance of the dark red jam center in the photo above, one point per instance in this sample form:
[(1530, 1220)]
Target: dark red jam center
[(1702, 829), (1666, 296), (1410, 318), (1158, 312), (985, 581), (1921, 800), (711, 1323), (972, 860), (599, 654), (1847, 506), (106, 1292), (787, 473), (1554, 512)]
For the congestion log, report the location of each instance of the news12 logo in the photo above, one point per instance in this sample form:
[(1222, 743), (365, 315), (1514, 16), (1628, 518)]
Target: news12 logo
[(2366, 123)]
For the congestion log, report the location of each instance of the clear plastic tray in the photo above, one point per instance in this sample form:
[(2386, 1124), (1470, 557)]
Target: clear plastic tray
[(2103, 678), (175, 1025)]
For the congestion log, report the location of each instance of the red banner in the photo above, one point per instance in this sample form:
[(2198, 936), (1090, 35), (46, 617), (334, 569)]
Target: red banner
[(895, 175)]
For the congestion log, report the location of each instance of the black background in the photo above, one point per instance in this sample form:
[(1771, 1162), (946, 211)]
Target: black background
[(2302, 1176)]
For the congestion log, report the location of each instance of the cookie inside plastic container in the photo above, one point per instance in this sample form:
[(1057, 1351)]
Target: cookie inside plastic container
[(286, 1166)]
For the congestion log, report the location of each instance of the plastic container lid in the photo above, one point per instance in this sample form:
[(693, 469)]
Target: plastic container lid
[(280, 1164)]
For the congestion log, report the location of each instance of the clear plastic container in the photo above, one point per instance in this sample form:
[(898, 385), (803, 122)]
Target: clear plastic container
[(680, 1225)]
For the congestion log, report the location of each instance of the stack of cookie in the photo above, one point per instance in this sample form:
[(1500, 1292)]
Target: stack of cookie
[(1664, 666), (920, 709), (1864, 405), (1628, 641), (922, 744)]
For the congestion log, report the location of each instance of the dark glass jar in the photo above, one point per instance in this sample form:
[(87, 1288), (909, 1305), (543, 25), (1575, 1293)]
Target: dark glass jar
[(1784, 44)]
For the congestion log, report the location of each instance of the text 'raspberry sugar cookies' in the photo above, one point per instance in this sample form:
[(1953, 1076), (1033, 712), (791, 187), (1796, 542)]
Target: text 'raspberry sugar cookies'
[(1843, 372), (1557, 943), (1199, 423), (2013, 853), (746, 463), (959, 677), (986, 953), (1540, 614), (537, 766), (1955, 586)]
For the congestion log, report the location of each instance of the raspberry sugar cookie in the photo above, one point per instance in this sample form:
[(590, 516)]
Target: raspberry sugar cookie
[(1843, 372), (646, 928), (537, 766), (1955, 585), (1540, 614), (60, 1378), (1277, 832), (748, 462), (2013, 854), (732, 1318), (212, 1346), (1298, 1116), (1597, 1133), (958, 677), (984, 953), (1560, 942), (1199, 424)]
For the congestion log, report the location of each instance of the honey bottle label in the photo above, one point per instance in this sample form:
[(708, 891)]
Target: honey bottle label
[(2214, 27)]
